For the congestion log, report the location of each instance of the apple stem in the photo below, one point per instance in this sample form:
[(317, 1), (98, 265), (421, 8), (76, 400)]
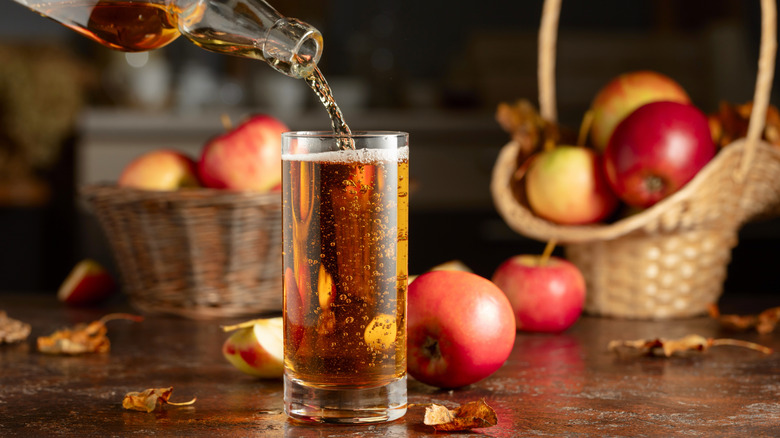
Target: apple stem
[(127, 316), (587, 122), (549, 144), (741, 343), (227, 124), (548, 249)]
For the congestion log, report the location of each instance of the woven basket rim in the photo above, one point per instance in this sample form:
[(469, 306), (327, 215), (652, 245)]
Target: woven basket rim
[(111, 194), (545, 230)]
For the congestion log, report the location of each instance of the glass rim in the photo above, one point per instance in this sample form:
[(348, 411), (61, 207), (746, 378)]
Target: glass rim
[(354, 134)]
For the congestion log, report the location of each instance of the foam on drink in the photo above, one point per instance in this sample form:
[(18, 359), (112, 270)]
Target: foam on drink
[(362, 156)]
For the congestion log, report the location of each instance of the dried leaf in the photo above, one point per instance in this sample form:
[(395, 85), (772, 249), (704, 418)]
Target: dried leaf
[(731, 122), (12, 330), (764, 322), (668, 347), (151, 399), (767, 320), (523, 122), (525, 125), (83, 338), (472, 415)]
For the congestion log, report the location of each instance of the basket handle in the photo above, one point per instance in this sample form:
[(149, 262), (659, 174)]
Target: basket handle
[(548, 32)]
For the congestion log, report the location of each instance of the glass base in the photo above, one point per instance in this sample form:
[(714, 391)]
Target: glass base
[(344, 405)]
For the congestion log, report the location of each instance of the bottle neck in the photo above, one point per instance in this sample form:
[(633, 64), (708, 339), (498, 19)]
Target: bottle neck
[(252, 29), (292, 47)]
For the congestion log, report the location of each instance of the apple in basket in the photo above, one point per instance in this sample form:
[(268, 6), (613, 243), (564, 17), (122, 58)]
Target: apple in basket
[(656, 150), (256, 347), (547, 293), (460, 328), (624, 94), (567, 185), (247, 157), (161, 169)]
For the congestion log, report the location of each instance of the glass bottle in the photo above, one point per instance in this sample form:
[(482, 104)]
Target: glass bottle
[(246, 28)]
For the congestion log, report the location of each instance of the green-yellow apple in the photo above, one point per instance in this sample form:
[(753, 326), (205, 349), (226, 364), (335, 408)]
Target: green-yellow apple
[(460, 328), (257, 347), (546, 296), (624, 94), (161, 169), (567, 185), (248, 157), (88, 283)]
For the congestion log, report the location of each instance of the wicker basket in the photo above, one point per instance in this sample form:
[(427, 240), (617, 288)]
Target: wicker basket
[(197, 253), (670, 260)]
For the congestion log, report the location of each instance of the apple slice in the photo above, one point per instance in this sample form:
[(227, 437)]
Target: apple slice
[(88, 283), (257, 347)]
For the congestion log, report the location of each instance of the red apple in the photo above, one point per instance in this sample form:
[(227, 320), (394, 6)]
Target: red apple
[(460, 328), (88, 283), (624, 94), (162, 169), (248, 157), (656, 150), (545, 296), (452, 265), (567, 185), (257, 347)]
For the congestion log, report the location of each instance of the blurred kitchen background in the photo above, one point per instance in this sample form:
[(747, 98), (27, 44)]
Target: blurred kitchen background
[(73, 112)]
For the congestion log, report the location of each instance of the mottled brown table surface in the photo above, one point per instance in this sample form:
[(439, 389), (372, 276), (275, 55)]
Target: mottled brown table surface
[(563, 385)]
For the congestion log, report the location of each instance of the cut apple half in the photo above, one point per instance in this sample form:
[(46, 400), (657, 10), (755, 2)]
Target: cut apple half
[(257, 347), (87, 283)]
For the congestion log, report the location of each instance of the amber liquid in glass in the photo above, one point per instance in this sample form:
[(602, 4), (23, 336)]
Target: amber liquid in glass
[(345, 295)]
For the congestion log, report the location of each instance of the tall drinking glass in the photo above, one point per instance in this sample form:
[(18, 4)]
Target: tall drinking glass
[(345, 216)]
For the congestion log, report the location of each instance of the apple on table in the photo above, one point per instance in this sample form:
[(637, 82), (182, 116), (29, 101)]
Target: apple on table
[(624, 94), (247, 157), (256, 347), (162, 169), (460, 328), (87, 283), (547, 293)]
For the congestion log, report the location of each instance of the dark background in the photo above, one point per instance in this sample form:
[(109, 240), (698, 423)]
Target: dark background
[(440, 57)]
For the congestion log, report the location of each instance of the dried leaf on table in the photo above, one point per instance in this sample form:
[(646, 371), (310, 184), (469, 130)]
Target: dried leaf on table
[(764, 322), (12, 330), (731, 121), (83, 338), (668, 347), (472, 415), (151, 399)]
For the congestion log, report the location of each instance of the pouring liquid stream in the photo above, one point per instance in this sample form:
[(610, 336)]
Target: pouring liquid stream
[(321, 88)]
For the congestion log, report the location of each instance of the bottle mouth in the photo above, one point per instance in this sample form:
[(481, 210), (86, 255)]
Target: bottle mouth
[(293, 47)]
